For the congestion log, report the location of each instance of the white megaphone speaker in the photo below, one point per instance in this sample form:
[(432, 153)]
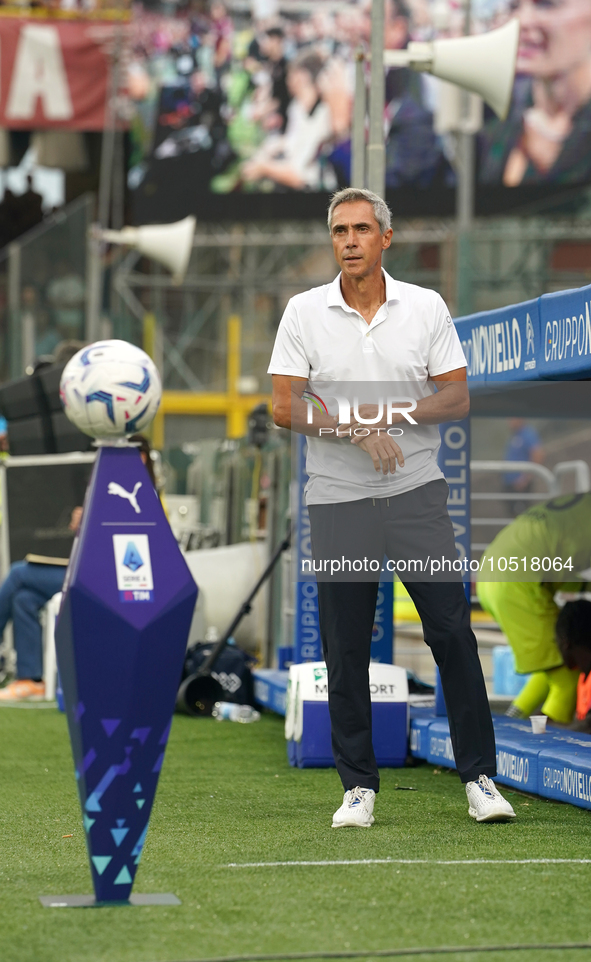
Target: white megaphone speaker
[(169, 244), (484, 64)]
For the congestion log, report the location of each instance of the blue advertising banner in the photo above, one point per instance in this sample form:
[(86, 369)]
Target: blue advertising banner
[(565, 775), (454, 461), (382, 639), (547, 338), (565, 341), (553, 765), (502, 345), (306, 641), (121, 637)]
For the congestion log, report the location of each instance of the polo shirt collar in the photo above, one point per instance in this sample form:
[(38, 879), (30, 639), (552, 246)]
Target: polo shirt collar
[(335, 295)]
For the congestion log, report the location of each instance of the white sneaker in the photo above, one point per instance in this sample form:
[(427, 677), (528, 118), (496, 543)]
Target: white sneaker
[(356, 809), (486, 802)]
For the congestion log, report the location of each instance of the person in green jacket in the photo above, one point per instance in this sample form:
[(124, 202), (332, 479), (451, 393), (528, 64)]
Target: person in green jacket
[(548, 548)]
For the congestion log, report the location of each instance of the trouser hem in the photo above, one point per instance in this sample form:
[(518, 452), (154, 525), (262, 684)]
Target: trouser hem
[(361, 783), (472, 775)]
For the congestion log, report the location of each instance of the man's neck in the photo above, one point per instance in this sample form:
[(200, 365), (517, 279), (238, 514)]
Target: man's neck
[(364, 294)]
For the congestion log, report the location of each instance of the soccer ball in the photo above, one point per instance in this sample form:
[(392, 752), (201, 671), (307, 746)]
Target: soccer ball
[(110, 389)]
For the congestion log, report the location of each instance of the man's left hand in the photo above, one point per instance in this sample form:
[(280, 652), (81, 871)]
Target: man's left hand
[(382, 449)]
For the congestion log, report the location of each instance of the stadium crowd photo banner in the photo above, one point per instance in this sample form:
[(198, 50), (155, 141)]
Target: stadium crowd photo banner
[(121, 637), (252, 103)]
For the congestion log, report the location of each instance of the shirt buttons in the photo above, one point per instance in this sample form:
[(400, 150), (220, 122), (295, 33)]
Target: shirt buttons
[(368, 334)]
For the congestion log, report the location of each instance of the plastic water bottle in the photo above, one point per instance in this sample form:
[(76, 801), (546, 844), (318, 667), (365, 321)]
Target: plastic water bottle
[(238, 713)]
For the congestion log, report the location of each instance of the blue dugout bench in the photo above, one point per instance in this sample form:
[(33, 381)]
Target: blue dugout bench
[(555, 765)]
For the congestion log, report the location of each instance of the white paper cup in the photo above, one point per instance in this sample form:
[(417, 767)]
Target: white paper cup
[(538, 724)]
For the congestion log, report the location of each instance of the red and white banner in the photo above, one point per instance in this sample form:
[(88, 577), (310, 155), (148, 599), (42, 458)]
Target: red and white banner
[(54, 74)]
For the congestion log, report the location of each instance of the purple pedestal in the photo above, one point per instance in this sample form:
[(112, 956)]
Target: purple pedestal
[(121, 638)]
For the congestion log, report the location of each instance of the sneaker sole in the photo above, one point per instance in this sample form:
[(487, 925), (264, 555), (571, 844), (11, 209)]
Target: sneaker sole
[(491, 816), (354, 824)]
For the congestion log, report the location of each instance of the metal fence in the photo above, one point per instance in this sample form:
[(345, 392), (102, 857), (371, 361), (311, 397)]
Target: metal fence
[(43, 288), (499, 507), (251, 270)]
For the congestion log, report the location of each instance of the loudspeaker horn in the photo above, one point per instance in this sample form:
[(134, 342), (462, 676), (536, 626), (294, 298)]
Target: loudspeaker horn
[(169, 244), (484, 64)]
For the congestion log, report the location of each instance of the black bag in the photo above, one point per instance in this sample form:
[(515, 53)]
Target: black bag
[(231, 670)]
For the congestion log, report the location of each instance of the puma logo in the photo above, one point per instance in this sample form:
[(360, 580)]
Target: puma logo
[(130, 496)]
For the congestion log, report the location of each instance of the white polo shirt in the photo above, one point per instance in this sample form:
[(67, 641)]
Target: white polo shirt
[(410, 339)]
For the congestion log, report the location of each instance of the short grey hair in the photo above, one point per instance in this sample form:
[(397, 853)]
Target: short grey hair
[(381, 211)]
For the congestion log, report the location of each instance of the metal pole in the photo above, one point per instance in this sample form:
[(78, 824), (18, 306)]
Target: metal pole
[(28, 352), (94, 285), (376, 151), (109, 136), (95, 248), (465, 174), (14, 309), (464, 219), (118, 182), (465, 189), (358, 131)]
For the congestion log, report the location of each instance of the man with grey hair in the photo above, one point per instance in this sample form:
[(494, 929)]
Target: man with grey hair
[(348, 195), (369, 497)]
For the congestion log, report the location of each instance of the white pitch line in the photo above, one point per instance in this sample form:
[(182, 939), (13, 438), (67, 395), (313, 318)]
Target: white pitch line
[(416, 861)]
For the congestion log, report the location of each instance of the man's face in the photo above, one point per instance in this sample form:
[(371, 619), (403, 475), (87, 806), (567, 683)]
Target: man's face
[(555, 36), (357, 240), (516, 424), (272, 46)]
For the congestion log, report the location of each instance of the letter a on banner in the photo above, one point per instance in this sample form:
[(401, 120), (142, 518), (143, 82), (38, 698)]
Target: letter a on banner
[(39, 73)]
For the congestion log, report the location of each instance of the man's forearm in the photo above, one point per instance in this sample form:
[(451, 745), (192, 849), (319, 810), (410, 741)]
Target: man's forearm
[(449, 403), (299, 414)]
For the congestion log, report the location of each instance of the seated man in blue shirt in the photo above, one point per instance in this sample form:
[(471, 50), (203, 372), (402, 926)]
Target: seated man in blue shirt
[(523, 445), (25, 591)]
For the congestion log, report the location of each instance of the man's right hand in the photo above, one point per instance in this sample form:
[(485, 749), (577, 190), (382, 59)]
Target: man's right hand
[(383, 451)]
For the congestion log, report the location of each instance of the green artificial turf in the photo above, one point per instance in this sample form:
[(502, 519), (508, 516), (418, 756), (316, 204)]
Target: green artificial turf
[(227, 795)]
